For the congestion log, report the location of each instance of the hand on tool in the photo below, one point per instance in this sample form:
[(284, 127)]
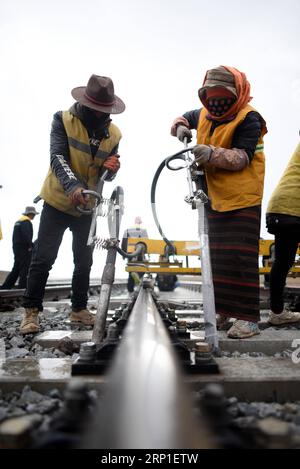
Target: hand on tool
[(77, 197), (178, 121), (112, 163), (183, 132), (202, 154)]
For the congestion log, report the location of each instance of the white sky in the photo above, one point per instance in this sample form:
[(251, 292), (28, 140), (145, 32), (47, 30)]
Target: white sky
[(157, 53)]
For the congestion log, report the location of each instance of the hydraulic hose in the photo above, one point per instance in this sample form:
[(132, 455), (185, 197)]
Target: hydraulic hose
[(140, 247), (164, 163)]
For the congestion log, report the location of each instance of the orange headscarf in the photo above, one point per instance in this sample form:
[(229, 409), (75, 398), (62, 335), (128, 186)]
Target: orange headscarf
[(242, 87)]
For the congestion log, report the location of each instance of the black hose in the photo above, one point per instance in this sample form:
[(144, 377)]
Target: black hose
[(171, 158), (165, 162), (180, 152), (140, 247), (153, 191)]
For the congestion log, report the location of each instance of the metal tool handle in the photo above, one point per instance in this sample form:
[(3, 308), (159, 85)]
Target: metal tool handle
[(89, 211), (188, 170), (97, 194)]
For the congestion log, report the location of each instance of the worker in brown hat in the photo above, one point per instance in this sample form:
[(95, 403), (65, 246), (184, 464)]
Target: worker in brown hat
[(230, 150), (22, 248), (83, 142)]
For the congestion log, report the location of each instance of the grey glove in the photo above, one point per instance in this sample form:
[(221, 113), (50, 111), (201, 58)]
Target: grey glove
[(202, 154), (183, 132)]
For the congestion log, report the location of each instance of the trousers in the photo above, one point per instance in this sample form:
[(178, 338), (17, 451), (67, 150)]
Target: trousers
[(286, 245), (53, 224)]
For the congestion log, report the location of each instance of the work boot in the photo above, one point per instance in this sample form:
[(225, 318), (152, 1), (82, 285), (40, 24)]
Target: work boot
[(243, 329), (286, 317), (30, 322), (83, 316)]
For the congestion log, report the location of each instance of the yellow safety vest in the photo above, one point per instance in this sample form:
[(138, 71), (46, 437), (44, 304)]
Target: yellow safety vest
[(84, 166), (232, 190), (286, 197)]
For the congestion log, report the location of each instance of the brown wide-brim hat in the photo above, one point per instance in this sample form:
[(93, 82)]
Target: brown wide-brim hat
[(99, 95)]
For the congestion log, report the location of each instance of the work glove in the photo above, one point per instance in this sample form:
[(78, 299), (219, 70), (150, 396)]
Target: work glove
[(202, 154), (178, 121), (112, 163), (183, 132), (77, 197)]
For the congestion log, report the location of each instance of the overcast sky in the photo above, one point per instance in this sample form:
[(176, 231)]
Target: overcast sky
[(157, 53)]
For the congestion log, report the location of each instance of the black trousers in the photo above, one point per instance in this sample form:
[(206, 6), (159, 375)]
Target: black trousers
[(53, 224), (20, 268), (286, 244)]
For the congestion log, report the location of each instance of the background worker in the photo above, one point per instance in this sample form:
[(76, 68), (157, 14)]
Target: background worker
[(22, 248), (230, 150), (165, 282), (134, 232), (83, 143), (283, 220)]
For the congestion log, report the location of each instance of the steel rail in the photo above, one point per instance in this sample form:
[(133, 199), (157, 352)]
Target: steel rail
[(52, 291), (146, 404)]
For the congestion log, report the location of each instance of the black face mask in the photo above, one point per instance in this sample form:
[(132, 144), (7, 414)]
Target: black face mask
[(219, 106), (90, 119)]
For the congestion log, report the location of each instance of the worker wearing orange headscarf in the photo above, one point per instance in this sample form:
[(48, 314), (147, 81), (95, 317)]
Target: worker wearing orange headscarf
[(230, 151)]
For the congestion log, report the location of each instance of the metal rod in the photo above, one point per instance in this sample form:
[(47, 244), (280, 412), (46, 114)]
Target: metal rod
[(108, 276), (209, 309), (146, 404), (103, 305), (188, 169)]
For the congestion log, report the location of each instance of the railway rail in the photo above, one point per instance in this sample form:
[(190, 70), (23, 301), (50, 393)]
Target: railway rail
[(255, 380)]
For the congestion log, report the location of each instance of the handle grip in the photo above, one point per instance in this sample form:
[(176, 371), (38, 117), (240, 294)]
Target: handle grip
[(86, 211)]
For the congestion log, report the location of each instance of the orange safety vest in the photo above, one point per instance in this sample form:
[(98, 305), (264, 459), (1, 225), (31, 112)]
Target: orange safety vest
[(232, 190)]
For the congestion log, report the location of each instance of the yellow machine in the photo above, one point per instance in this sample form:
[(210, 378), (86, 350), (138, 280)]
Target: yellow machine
[(186, 249)]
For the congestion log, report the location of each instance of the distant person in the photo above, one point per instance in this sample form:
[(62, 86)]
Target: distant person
[(166, 282), (83, 143), (22, 248), (283, 221), (134, 232), (230, 150)]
